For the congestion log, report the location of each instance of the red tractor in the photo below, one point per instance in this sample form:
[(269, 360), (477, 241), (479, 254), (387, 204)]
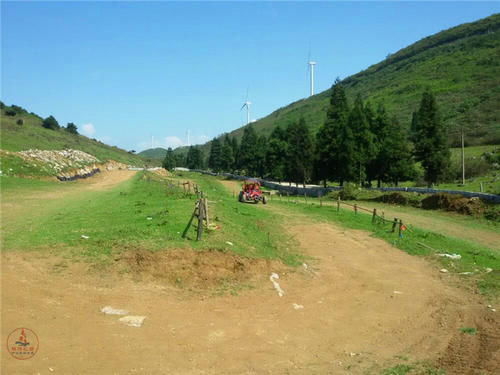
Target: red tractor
[(250, 192)]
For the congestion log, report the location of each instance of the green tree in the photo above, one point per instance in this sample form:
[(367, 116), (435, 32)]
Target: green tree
[(194, 158), (379, 126), (50, 123), (333, 138), (248, 149), (169, 162), (71, 128), (236, 150), (398, 164), (227, 155), (215, 160), (276, 154), (300, 153), (365, 147), (431, 148)]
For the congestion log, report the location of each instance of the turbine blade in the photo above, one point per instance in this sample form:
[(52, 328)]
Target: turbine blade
[(243, 106)]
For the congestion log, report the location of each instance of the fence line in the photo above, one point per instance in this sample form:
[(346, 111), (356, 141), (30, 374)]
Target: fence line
[(318, 190)]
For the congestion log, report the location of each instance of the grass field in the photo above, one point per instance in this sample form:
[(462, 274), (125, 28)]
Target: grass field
[(150, 213), (145, 212)]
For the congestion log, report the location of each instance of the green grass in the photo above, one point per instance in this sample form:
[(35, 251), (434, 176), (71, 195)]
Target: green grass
[(468, 330), (32, 135), (419, 368), (117, 220)]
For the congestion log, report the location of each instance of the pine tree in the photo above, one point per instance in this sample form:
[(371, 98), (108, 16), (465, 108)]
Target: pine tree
[(397, 158), (169, 162), (260, 156), (236, 150), (227, 155), (380, 128), (365, 146), (300, 153), (431, 148), (215, 159), (332, 135), (248, 150), (276, 154), (194, 158)]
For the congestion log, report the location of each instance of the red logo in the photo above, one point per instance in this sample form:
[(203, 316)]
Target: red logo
[(22, 343)]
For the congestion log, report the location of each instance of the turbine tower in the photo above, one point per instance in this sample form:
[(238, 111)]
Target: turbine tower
[(311, 70), (247, 104)]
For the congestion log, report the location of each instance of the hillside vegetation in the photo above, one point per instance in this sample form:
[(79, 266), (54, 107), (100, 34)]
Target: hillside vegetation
[(24, 131), (460, 65), (154, 153)]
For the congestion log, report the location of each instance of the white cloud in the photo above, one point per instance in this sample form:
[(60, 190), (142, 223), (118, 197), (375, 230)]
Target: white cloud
[(88, 129)]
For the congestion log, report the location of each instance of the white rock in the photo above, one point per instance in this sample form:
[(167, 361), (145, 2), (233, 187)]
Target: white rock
[(85, 237), (443, 270), (451, 256), (111, 311), (488, 270), (229, 243), (133, 320), (297, 307), (397, 292), (275, 284)]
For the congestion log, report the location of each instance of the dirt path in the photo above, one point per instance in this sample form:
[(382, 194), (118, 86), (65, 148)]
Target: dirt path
[(364, 302)]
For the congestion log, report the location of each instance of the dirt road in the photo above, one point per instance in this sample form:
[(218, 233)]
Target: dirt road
[(363, 303)]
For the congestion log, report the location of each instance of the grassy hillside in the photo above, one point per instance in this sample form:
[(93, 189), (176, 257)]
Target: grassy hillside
[(461, 65), (31, 135), (154, 153)]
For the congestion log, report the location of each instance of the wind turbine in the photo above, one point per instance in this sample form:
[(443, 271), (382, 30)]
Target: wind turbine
[(247, 104), (311, 70)]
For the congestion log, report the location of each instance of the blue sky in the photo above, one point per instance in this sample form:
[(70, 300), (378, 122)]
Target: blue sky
[(126, 71)]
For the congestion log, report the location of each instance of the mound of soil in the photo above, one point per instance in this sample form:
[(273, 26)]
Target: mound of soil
[(198, 269), (456, 203), (393, 198)]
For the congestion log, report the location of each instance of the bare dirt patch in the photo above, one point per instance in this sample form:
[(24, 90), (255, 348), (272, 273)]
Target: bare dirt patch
[(199, 270), (363, 303)]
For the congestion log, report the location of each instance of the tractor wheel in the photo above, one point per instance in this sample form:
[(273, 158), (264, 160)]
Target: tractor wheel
[(241, 197), (264, 200)]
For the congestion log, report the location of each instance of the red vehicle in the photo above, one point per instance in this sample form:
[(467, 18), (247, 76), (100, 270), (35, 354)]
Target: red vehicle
[(250, 192)]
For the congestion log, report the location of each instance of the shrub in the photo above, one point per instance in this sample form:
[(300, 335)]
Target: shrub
[(20, 121), (71, 128), (10, 112), (50, 123)]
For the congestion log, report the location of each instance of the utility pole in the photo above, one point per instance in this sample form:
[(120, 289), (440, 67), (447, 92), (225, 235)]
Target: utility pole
[(463, 158)]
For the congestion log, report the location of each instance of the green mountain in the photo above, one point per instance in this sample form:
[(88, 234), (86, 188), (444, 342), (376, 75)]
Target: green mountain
[(157, 153), (21, 131), (460, 65)]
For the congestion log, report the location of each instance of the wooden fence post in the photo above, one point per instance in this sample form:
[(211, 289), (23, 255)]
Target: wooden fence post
[(305, 197), (374, 215), (319, 197), (355, 209), (338, 204), (287, 197), (394, 223), (201, 211), (206, 211)]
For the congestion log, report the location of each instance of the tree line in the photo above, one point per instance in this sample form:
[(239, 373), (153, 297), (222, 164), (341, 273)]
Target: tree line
[(356, 143)]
